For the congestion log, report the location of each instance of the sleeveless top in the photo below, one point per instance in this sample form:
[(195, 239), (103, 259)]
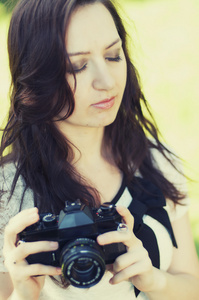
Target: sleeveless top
[(152, 215)]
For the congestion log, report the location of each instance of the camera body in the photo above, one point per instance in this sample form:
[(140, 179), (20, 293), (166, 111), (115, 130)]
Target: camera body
[(75, 229)]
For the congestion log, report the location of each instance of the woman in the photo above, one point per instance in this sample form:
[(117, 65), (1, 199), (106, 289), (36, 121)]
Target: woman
[(76, 130)]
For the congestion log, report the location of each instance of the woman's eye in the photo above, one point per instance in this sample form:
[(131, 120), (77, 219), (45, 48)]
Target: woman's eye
[(79, 70), (76, 69), (117, 58)]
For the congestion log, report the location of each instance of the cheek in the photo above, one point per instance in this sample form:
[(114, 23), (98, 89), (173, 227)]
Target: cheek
[(71, 81), (76, 89), (78, 86), (122, 77)]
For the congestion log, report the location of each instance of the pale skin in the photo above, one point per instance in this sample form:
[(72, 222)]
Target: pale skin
[(101, 79)]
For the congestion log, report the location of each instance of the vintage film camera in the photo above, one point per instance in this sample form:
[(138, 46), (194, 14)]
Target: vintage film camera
[(76, 228)]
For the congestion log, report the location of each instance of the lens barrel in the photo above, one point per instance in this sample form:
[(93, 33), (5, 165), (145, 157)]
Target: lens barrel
[(82, 262)]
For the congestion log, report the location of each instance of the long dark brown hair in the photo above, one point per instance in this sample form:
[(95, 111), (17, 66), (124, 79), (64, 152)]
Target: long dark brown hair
[(39, 92)]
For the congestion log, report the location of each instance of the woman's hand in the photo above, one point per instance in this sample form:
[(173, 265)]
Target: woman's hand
[(135, 265), (26, 286)]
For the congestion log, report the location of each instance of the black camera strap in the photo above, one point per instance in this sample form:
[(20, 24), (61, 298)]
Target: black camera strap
[(147, 199)]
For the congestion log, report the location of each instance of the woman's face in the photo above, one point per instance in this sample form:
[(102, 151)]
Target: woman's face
[(96, 54)]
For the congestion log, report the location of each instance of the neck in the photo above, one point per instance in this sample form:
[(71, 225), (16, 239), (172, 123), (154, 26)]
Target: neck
[(93, 161), (86, 143)]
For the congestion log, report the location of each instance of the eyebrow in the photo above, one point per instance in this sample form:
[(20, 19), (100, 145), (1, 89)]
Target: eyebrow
[(85, 53)]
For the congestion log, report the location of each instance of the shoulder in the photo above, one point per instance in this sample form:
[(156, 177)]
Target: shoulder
[(7, 175), (11, 204), (173, 171)]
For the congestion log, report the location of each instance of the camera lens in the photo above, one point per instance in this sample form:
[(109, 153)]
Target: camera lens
[(83, 265), (82, 262)]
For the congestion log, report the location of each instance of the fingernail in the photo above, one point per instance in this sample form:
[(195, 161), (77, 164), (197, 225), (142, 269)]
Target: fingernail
[(20, 242), (122, 227), (54, 245)]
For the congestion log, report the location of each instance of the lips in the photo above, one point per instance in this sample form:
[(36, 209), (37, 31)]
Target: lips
[(105, 104)]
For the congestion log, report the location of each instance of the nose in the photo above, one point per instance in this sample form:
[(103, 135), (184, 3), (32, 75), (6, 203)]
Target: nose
[(103, 79)]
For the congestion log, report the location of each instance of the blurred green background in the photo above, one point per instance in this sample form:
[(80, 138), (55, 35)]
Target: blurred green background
[(165, 35)]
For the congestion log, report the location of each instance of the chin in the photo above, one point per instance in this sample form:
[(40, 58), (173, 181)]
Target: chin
[(107, 122)]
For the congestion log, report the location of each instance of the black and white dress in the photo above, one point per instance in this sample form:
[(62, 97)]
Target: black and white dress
[(153, 217)]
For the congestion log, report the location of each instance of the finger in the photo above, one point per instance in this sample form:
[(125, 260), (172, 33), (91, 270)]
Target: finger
[(129, 258), (26, 249), (23, 219), (127, 238), (126, 216), (17, 224), (138, 268), (21, 272)]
